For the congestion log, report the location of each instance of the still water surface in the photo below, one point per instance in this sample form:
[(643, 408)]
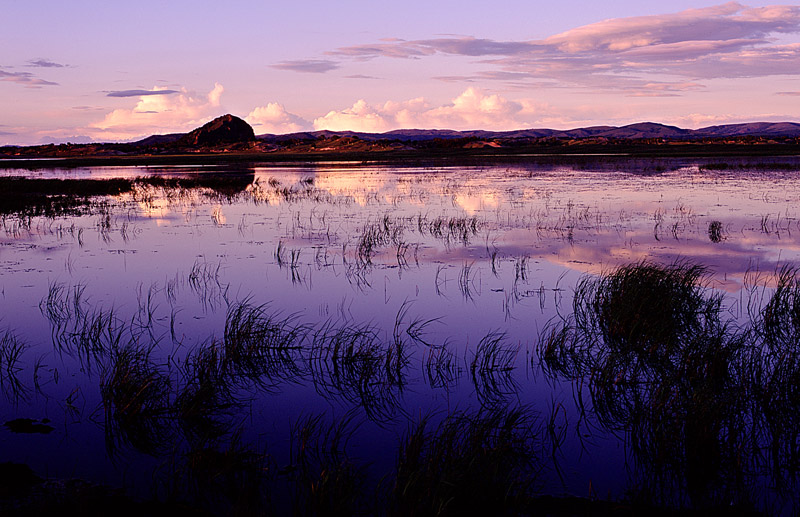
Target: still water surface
[(396, 293)]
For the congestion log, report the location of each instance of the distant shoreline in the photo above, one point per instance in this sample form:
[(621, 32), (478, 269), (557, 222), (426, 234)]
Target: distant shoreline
[(452, 156)]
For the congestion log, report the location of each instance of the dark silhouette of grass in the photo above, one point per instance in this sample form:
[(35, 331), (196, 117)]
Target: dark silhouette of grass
[(26, 197), (11, 350), (227, 476), (469, 464), (716, 233), (491, 370), (352, 362), (205, 400), (135, 395), (262, 347), (326, 480), (440, 367), (776, 373), (662, 367)]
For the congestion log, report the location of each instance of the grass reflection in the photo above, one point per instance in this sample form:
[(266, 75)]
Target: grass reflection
[(706, 405)]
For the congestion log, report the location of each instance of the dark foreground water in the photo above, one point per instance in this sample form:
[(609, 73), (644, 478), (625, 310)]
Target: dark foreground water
[(350, 336)]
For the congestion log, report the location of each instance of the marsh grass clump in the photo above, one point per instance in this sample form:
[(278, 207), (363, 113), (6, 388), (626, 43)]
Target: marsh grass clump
[(204, 281), (491, 368), (95, 335), (646, 308), (206, 398), (376, 235), (451, 229), (260, 346), (716, 233), (661, 366), (776, 375), (780, 317), (352, 362), (327, 481), (135, 394), (228, 476), (440, 368), (90, 334), (11, 350), (468, 464)]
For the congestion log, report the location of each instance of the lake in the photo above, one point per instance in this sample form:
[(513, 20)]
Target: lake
[(310, 336)]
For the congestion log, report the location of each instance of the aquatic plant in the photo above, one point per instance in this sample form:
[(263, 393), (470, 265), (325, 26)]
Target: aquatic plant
[(483, 463), (466, 281), (661, 366), (440, 368), (227, 475), (205, 399), (716, 233), (135, 394), (262, 347), (491, 367), (352, 363), (11, 350), (326, 480), (776, 372), (204, 281), (645, 308)]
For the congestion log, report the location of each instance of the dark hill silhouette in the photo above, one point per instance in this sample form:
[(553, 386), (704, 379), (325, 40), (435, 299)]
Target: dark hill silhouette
[(221, 130), (231, 135), (646, 130), (752, 129), (636, 131), (229, 129)]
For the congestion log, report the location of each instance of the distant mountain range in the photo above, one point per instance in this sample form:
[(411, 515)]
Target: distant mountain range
[(636, 131), (231, 135)]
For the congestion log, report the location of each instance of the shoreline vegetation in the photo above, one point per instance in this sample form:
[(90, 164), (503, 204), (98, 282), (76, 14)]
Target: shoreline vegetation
[(31, 197), (543, 153)]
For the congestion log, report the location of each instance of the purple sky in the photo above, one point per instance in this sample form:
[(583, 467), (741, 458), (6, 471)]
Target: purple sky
[(106, 71)]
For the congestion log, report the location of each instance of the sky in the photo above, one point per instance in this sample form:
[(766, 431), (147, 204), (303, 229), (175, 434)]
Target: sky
[(86, 70)]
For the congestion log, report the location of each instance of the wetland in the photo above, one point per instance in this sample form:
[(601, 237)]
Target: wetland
[(352, 338)]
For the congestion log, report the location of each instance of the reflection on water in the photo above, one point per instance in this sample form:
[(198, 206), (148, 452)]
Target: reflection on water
[(291, 337)]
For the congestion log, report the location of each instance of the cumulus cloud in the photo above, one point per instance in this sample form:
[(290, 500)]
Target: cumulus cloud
[(360, 117), (473, 109), (314, 66), (139, 93), (25, 78), (728, 40), (182, 111), (273, 118)]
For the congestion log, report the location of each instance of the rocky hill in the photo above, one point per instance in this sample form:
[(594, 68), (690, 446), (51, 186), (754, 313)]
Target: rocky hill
[(226, 129)]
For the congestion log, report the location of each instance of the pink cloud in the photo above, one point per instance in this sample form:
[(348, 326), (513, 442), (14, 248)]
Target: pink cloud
[(728, 40), (159, 114), (472, 109), (273, 118)]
